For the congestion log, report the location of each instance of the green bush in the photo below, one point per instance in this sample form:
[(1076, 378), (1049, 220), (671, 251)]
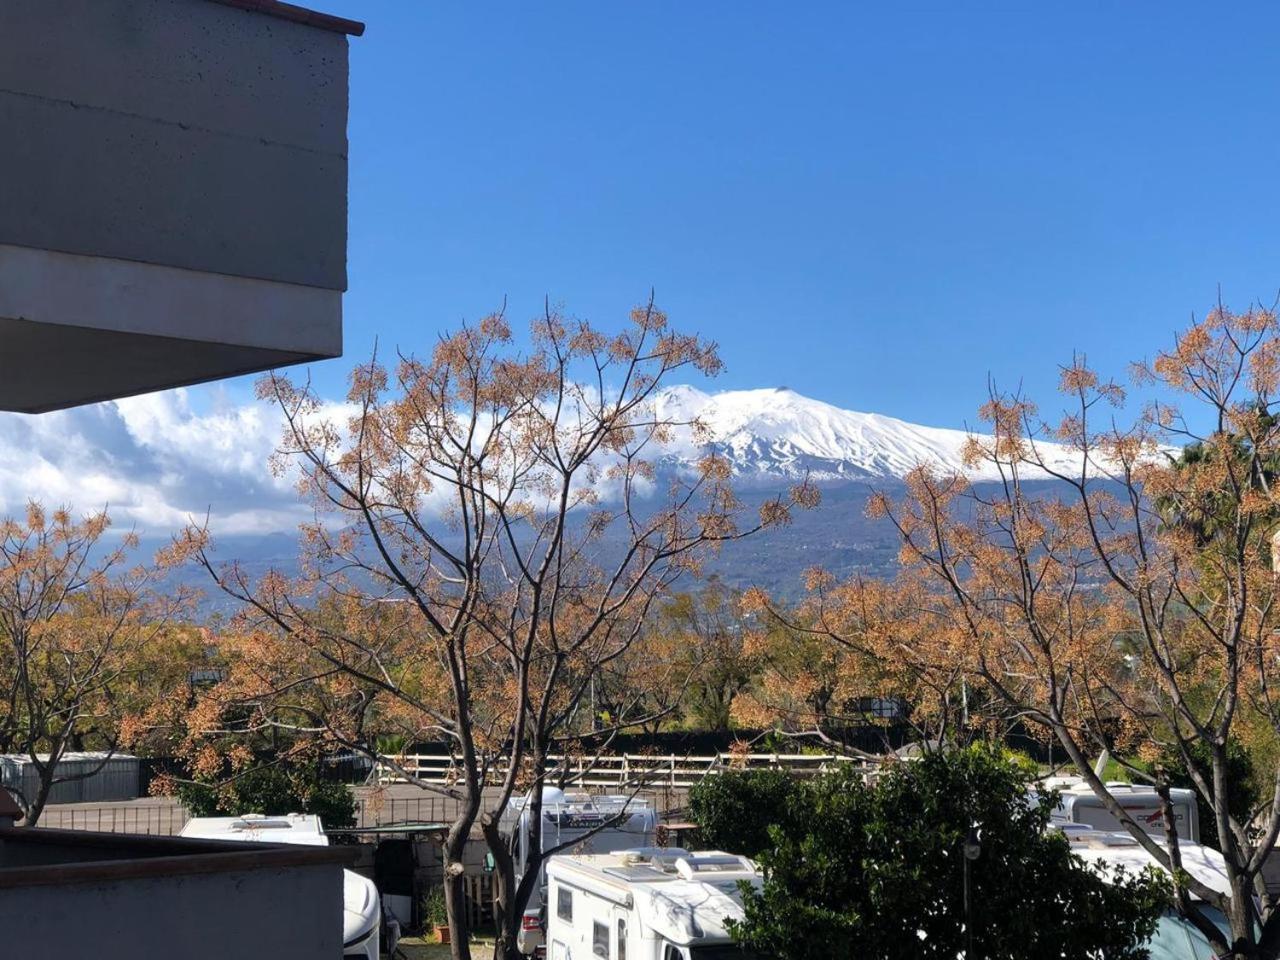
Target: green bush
[(734, 810), (433, 910), (878, 872), (273, 790)]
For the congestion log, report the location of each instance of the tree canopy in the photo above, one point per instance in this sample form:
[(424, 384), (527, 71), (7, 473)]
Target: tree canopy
[(877, 871)]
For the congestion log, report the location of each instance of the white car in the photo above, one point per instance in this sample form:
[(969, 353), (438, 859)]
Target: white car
[(361, 907)]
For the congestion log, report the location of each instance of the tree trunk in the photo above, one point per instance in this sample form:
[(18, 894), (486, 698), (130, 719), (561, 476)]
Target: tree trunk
[(33, 808), (455, 898), (508, 912)]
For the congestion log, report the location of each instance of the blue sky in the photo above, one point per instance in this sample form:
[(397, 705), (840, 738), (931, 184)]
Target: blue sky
[(876, 205)]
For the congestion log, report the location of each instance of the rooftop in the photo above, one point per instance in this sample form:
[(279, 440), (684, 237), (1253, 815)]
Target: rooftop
[(294, 828), (1113, 849)]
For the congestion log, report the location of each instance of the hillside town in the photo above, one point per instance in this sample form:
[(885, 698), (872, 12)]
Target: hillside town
[(409, 549)]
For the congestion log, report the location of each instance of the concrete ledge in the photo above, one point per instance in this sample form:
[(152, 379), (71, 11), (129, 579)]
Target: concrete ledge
[(77, 329), (127, 296), (289, 11)]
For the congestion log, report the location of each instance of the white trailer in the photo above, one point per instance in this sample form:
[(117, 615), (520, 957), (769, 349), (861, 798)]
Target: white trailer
[(1079, 804), (588, 824), (1174, 938), (646, 905)]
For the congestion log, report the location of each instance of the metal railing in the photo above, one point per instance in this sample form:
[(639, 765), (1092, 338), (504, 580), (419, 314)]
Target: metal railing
[(163, 820), (663, 780), (619, 771)]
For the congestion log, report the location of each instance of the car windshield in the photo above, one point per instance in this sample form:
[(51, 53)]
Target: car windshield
[(1177, 939)]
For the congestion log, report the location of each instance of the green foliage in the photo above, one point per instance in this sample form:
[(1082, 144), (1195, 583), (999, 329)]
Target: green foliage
[(433, 909), (878, 872), (1242, 786), (735, 810), (273, 791)]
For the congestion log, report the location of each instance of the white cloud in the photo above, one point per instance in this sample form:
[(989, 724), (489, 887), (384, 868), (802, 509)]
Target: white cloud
[(160, 460), (155, 461)]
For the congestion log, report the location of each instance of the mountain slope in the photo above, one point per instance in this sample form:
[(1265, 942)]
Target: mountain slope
[(777, 434), (772, 437)]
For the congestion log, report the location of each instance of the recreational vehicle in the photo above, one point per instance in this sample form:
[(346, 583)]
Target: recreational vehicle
[(362, 910), (1079, 804), (574, 823), (646, 905), (1175, 938)]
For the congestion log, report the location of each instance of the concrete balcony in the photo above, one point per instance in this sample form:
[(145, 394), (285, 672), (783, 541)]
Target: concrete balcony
[(68, 893), (173, 193)]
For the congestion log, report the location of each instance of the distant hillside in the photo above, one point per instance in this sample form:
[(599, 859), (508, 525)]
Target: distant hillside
[(771, 438), (837, 536)]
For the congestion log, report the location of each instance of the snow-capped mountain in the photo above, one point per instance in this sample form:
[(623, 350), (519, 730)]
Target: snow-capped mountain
[(771, 437), (777, 433)]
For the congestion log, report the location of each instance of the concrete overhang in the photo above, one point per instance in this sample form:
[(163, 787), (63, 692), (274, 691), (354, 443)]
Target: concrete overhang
[(71, 893), (173, 193)]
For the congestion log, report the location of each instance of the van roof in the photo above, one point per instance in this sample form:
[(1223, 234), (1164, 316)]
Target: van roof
[(1113, 850), (1077, 787), (299, 828)]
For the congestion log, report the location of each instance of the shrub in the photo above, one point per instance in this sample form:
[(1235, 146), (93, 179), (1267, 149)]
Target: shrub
[(273, 790), (734, 810), (878, 872)]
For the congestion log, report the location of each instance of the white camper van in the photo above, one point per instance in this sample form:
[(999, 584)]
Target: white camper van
[(646, 905), (362, 910), (571, 818), (1175, 938), (1079, 804)]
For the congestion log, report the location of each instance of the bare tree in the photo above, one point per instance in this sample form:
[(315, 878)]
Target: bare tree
[(1129, 607), (491, 534)]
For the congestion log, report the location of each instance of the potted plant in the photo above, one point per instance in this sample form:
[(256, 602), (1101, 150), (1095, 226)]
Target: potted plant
[(433, 914)]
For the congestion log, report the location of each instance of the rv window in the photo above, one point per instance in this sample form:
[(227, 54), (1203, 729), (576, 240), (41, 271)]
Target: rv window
[(600, 940), (564, 904), (672, 953), (622, 939)]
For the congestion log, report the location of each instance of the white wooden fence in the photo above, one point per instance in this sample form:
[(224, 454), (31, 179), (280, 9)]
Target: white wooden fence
[(621, 771)]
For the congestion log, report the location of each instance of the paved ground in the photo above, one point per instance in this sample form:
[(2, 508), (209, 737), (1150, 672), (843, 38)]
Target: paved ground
[(393, 803)]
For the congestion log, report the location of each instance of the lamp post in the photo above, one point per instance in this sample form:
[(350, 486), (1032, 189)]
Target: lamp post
[(972, 850)]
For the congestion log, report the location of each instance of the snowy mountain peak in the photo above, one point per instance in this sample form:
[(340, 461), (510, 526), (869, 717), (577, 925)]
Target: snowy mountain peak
[(775, 432)]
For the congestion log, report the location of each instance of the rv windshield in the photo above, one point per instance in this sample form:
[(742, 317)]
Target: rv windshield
[(1177, 939)]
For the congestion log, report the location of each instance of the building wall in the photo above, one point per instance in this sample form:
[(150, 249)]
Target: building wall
[(173, 196), (284, 914), (175, 132), (97, 778)]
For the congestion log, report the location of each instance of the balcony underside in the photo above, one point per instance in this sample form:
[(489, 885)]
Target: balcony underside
[(77, 329)]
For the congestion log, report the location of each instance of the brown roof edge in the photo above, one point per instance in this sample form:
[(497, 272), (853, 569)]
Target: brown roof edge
[(289, 11)]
